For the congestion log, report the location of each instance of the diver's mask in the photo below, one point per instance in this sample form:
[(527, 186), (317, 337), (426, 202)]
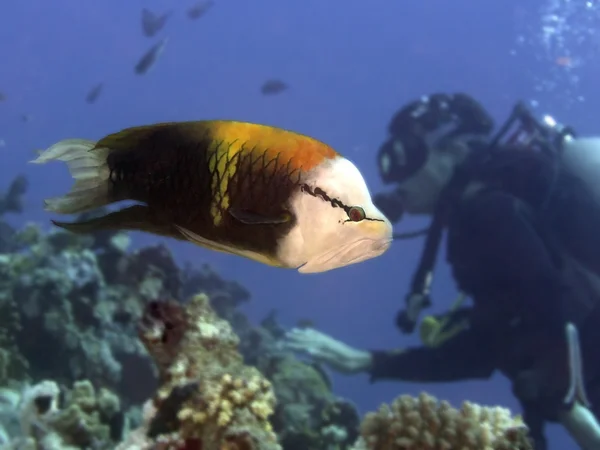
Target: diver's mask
[(428, 123)]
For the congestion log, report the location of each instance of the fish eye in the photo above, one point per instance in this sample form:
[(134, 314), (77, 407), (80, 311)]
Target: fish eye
[(356, 214)]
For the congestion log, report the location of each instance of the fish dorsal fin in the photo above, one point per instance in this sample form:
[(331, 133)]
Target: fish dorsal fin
[(167, 133), (127, 138)]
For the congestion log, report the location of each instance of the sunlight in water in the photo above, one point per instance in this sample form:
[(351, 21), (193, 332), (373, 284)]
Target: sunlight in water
[(562, 37)]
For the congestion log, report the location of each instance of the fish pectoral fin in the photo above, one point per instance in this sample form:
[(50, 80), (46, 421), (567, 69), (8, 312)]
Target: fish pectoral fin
[(227, 248), (133, 218), (204, 242), (251, 218)]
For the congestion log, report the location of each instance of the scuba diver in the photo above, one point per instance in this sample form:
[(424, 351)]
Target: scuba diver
[(521, 212)]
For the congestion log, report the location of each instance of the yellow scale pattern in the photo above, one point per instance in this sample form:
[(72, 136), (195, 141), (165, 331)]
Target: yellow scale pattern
[(222, 165), (230, 139)]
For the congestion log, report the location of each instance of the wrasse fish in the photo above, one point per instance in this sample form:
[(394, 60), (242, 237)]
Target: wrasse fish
[(268, 194)]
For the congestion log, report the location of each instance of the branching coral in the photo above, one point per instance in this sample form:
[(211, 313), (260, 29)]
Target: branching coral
[(208, 398), (424, 423)]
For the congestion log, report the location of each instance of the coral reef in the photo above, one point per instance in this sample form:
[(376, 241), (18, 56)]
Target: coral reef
[(88, 419), (424, 423), (66, 320), (208, 398), (85, 312), (69, 307)]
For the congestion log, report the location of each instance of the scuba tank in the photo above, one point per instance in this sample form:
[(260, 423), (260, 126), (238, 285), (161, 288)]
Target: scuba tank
[(581, 157)]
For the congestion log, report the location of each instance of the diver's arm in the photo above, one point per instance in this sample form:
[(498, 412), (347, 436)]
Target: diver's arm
[(514, 262), (464, 356)]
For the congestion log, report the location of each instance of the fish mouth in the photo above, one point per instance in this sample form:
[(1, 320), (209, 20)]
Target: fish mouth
[(347, 255)]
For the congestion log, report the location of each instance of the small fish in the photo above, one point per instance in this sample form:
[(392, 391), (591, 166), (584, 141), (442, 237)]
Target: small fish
[(2, 97), (273, 87), (150, 57), (94, 93), (26, 118), (271, 195), (153, 23), (199, 9)]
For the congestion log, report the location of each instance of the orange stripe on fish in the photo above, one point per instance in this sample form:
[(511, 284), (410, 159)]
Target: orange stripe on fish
[(233, 140), (304, 152)]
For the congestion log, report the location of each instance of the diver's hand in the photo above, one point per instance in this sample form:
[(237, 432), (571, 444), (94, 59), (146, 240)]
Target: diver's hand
[(406, 320), (327, 350)]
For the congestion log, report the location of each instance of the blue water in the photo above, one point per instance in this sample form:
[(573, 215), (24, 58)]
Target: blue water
[(350, 66)]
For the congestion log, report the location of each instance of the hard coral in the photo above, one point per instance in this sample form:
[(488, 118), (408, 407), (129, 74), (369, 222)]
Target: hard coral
[(208, 398), (424, 423), (88, 420)]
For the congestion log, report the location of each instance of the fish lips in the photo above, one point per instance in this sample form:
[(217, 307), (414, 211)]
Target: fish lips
[(354, 252)]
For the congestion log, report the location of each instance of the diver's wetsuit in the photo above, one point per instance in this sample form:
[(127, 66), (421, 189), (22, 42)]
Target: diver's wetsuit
[(524, 287)]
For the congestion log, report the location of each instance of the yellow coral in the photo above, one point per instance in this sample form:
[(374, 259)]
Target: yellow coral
[(424, 423), (221, 402)]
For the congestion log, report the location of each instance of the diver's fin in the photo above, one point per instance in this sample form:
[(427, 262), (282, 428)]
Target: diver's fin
[(576, 391), (88, 167), (250, 218), (582, 425), (133, 218)]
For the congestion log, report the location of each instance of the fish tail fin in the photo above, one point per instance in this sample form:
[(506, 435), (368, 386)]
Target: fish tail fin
[(88, 166)]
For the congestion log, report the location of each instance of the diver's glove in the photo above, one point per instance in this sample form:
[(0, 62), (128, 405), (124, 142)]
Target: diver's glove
[(390, 205)]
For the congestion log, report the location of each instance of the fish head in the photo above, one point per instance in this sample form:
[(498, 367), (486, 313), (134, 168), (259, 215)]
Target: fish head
[(337, 223)]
